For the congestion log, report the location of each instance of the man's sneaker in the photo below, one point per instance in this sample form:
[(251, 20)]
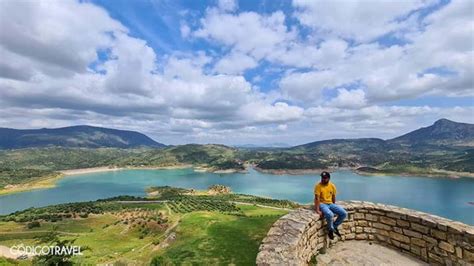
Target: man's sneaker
[(331, 234), (337, 232)]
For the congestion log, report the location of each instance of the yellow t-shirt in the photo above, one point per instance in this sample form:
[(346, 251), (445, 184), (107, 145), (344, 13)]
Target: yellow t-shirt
[(325, 192)]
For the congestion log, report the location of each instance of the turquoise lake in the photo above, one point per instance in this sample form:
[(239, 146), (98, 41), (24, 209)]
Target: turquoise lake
[(444, 197)]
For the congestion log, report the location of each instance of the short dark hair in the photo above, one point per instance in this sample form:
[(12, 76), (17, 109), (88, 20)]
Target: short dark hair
[(325, 174)]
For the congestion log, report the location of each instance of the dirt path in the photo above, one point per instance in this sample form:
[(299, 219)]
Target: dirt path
[(262, 206), (236, 202), (141, 201)]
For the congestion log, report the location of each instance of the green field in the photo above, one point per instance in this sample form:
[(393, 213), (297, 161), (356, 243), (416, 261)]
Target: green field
[(186, 229)]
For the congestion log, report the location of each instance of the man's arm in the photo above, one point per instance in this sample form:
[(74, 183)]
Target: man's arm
[(316, 205), (333, 198)]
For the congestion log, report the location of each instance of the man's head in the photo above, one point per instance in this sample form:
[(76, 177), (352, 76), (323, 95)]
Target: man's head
[(325, 176)]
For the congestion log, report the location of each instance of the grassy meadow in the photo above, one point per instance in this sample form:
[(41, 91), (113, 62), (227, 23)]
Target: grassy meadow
[(183, 229)]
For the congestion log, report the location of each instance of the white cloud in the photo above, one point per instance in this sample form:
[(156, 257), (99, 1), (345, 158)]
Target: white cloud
[(276, 113), (247, 32), (380, 121), (307, 87), (184, 30), (349, 99), (44, 34), (51, 76), (282, 127), (357, 20), (235, 63), (130, 69), (400, 71), (227, 5), (129, 82)]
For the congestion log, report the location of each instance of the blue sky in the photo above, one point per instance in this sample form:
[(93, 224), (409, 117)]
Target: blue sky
[(237, 72)]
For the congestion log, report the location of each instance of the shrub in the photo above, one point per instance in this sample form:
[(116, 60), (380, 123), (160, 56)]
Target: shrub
[(33, 224)]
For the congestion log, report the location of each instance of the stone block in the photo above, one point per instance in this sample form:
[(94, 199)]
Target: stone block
[(439, 252), (418, 242), (403, 223), (318, 224), (412, 218), (382, 232), (319, 246), (415, 250), (424, 254), (361, 223), (400, 237), (359, 216), (348, 225), (435, 258), (398, 230), (442, 227), (453, 238), (438, 234), (387, 220), (468, 256), (381, 226), (379, 213), (361, 236), (382, 238), (395, 243), (411, 233), (428, 221), (430, 240), (405, 246), (371, 217), (396, 215), (420, 228), (446, 246), (349, 236), (459, 252), (368, 230), (359, 229)]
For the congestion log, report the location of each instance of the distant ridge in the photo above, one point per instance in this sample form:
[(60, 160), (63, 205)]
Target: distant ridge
[(442, 132), (74, 136)]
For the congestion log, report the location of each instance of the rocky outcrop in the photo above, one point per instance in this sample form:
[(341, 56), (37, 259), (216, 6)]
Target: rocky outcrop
[(298, 236), (218, 189)]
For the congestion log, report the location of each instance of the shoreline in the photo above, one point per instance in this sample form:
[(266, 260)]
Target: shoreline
[(435, 173), (100, 169), (50, 182), (201, 169), (291, 171), (47, 182)]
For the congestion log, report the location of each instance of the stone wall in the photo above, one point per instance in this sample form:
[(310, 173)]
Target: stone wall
[(299, 235)]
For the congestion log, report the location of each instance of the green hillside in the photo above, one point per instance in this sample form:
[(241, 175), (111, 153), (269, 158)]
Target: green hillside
[(186, 229)]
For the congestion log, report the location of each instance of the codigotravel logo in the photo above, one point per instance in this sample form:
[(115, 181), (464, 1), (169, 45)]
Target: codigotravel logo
[(22, 249)]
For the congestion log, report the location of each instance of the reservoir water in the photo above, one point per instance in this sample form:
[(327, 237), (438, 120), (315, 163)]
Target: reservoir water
[(450, 198)]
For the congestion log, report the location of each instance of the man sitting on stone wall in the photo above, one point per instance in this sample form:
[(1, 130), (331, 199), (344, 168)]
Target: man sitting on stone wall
[(325, 204)]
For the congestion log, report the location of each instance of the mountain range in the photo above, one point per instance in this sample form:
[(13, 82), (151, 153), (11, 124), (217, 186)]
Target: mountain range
[(75, 136), (443, 132)]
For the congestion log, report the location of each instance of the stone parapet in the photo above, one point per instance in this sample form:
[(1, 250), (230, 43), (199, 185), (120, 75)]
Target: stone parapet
[(296, 237)]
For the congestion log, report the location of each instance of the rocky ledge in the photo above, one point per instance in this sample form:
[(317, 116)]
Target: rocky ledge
[(298, 236)]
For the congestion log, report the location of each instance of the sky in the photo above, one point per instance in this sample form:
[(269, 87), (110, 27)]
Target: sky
[(237, 72)]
